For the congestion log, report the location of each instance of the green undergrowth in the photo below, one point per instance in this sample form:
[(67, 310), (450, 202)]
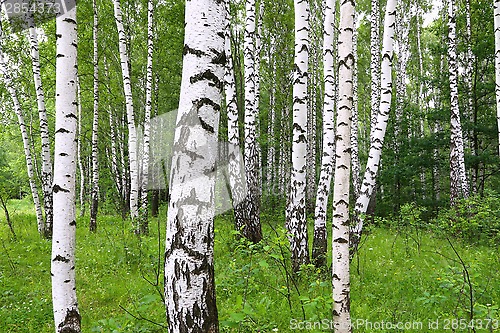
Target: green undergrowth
[(402, 274)]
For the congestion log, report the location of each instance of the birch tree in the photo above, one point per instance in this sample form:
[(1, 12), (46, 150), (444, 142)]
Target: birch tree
[(377, 139), (132, 130), (143, 228), (296, 212), (26, 139), (235, 168), (340, 224), (189, 267), (66, 314), (46, 175), (374, 63), (496, 6), (320, 240), (252, 204), (458, 180), (95, 127)]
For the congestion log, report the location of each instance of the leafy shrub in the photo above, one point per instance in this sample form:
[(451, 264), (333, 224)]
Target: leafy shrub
[(475, 220)]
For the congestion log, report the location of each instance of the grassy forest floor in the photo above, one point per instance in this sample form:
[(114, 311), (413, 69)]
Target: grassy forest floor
[(401, 276)]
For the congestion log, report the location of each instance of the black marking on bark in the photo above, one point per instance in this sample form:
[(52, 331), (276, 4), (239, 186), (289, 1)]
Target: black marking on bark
[(72, 223), (188, 50), (67, 281), (61, 258), (63, 154), (206, 101), (220, 57), (71, 323), (58, 188), (341, 240), (209, 76), (62, 130), (72, 115), (206, 126)]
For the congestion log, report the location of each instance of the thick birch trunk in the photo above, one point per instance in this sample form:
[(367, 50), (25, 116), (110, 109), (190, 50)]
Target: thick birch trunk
[(296, 212), (252, 228), (143, 228), (66, 315), (377, 139), (95, 128), (458, 180), (340, 224), (44, 133), (189, 267), (320, 238), (132, 130), (237, 180)]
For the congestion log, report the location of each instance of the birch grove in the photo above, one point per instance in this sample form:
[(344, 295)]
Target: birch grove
[(66, 314)]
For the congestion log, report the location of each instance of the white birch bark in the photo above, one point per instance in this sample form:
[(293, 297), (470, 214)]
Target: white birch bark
[(320, 238), (94, 201), (66, 314), (458, 180), (79, 150), (374, 63), (26, 141), (235, 168), (271, 179), (252, 204), (296, 212), (340, 224), (189, 267), (143, 228), (356, 166), (44, 133), (377, 139), (132, 130), (497, 63)]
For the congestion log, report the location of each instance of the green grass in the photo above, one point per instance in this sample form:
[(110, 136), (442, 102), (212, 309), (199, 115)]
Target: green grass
[(397, 277)]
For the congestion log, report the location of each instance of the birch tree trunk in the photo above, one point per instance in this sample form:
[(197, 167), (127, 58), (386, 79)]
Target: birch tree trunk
[(497, 64), (95, 128), (252, 228), (235, 168), (296, 212), (377, 139), (356, 167), (458, 180), (66, 314), (132, 130), (189, 267), (143, 228), (340, 224), (375, 63), (26, 140), (320, 237), (79, 150), (44, 133)]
